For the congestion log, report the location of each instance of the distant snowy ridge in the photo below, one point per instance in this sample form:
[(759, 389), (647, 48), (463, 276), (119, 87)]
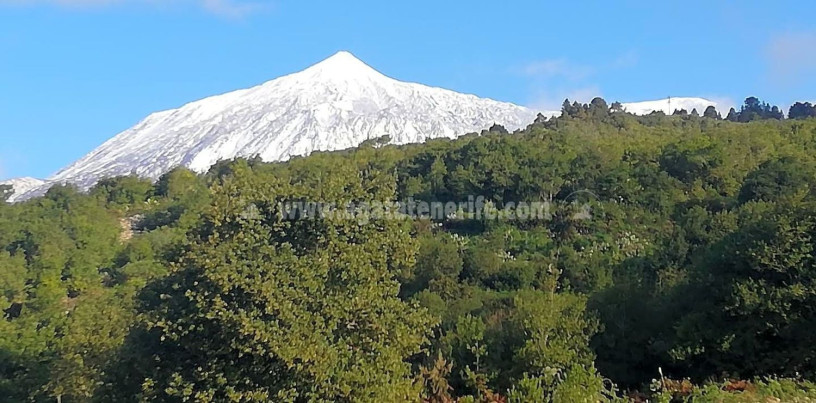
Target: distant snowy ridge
[(21, 186), (669, 105)]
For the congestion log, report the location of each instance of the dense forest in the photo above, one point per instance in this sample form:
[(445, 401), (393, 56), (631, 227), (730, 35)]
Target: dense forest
[(677, 262)]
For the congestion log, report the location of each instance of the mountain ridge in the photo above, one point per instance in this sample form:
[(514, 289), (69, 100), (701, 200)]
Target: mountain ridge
[(335, 104)]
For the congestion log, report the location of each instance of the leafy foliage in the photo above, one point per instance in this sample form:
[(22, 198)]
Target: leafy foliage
[(682, 244)]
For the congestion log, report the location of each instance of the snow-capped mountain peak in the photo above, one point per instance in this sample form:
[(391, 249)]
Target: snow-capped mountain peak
[(335, 104), (342, 66)]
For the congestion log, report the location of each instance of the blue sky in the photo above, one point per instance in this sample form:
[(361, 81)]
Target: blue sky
[(75, 72)]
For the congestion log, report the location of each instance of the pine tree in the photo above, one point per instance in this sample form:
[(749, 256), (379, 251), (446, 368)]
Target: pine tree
[(497, 128), (732, 115), (566, 108), (776, 113), (598, 108), (711, 112)]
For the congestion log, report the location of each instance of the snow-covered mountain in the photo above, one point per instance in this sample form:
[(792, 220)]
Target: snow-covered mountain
[(21, 186), (669, 105), (335, 104)]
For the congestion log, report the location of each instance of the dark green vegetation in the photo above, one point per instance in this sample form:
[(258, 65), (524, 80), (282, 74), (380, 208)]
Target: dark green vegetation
[(698, 261)]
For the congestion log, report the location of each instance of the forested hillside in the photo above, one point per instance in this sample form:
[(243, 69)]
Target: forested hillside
[(678, 260)]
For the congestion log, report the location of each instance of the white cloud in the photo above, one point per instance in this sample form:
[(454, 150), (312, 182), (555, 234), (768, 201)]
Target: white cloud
[(556, 68), (552, 81), (224, 8), (723, 103), (791, 57), (564, 68)]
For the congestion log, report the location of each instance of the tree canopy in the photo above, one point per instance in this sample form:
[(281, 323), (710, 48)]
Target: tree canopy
[(675, 248)]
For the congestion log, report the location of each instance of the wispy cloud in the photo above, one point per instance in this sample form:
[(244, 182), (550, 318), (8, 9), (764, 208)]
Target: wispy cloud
[(724, 103), (233, 9), (791, 57), (625, 60), (10, 160), (556, 68), (551, 81), (552, 99), (564, 68), (223, 8)]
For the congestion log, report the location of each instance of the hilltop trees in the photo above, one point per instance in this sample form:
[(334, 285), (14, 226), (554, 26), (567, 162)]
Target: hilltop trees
[(801, 110), (123, 190), (754, 109), (597, 109), (711, 113), (496, 128), (732, 116), (572, 109)]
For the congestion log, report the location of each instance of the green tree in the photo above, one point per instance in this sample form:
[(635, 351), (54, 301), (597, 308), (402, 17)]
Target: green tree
[(801, 110), (54, 253), (711, 113), (177, 183), (439, 262), (123, 190), (754, 109), (497, 128), (732, 115), (598, 108), (776, 179), (263, 307), (557, 331), (750, 305)]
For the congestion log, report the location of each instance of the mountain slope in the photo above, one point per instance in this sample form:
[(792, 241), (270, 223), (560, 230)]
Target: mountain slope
[(333, 105), (21, 186)]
